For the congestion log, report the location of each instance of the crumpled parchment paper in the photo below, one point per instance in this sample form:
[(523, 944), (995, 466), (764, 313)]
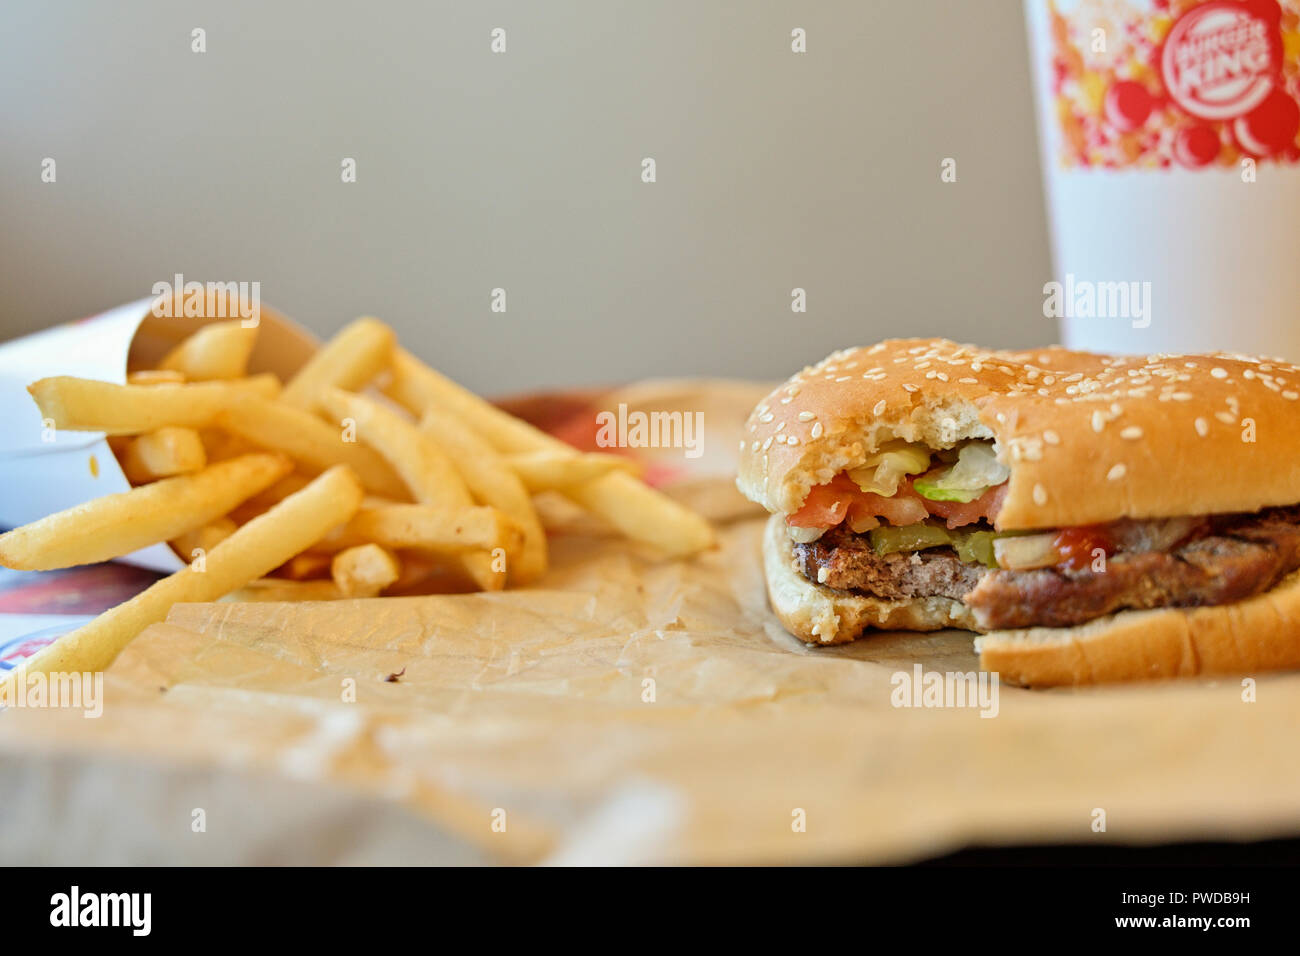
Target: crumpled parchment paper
[(630, 710)]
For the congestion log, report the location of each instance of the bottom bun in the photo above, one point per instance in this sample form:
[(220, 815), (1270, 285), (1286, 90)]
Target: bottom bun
[(1258, 634), (822, 615)]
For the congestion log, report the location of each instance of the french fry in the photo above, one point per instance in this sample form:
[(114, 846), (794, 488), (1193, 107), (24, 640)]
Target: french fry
[(219, 444), (265, 500), (425, 468), (451, 531), (216, 351), (637, 510), (417, 387), (364, 571), (153, 376), (418, 575), (199, 541), (644, 514), (305, 566), (168, 451), (118, 524), (551, 471), (278, 589), (252, 551), (356, 354), (306, 438), (493, 483), (80, 404)]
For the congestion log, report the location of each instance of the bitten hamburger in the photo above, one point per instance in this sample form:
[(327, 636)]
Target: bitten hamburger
[(1094, 517)]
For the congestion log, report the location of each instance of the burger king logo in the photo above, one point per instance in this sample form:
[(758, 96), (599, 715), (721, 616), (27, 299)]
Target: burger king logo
[(1222, 59)]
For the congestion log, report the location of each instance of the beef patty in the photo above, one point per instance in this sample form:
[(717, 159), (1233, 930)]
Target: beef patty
[(1219, 560)]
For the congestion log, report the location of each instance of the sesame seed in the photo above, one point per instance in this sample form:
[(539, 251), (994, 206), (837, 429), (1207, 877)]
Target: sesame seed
[(806, 416), (1291, 396), (767, 443), (1218, 372), (1040, 495), (1116, 473), (817, 430), (781, 427), (843, 378), (1098, 421), (766, 417), (969, 381), (1132, 432), (1226, 417), (910, 388), (942, 376), (1181, 396), (879, 408), (792, 439), (1051, 437), (1202, 427)]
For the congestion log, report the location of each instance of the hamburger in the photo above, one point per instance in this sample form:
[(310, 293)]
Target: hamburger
[(1093, 517)]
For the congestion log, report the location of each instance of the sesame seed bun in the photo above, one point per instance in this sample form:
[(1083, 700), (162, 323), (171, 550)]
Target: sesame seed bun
[(1258, 634), (1089, 438)]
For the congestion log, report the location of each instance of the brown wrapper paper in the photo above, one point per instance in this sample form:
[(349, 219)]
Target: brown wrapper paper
[(630, 710)]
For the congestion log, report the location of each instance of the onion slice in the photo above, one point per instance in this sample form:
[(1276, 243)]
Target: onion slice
[(1024, 552)]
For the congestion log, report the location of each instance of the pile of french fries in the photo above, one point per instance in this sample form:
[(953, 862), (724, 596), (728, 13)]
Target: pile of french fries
[(367, 472)]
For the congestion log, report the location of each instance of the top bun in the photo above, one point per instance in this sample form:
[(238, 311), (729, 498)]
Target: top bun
[(1089, 438)]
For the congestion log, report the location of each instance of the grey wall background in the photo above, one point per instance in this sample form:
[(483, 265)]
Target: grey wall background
[(522, 170)]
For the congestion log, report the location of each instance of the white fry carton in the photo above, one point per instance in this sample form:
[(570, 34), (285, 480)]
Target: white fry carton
[(43, 470)]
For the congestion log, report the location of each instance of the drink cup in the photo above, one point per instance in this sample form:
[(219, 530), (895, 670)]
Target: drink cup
[(1170, 139)]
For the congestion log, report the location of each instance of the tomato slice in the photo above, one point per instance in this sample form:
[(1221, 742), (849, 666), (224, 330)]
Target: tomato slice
[(905, 507), (826, 505), (959, 513)]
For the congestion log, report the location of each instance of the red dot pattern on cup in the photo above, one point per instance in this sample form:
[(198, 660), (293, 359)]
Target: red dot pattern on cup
[(1112, 103)]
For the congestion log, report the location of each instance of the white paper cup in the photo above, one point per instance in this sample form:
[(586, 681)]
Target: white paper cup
[(1172, 171), (42, 472)]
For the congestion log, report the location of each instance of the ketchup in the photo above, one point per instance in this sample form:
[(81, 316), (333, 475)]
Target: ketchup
[(1078, 544)]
